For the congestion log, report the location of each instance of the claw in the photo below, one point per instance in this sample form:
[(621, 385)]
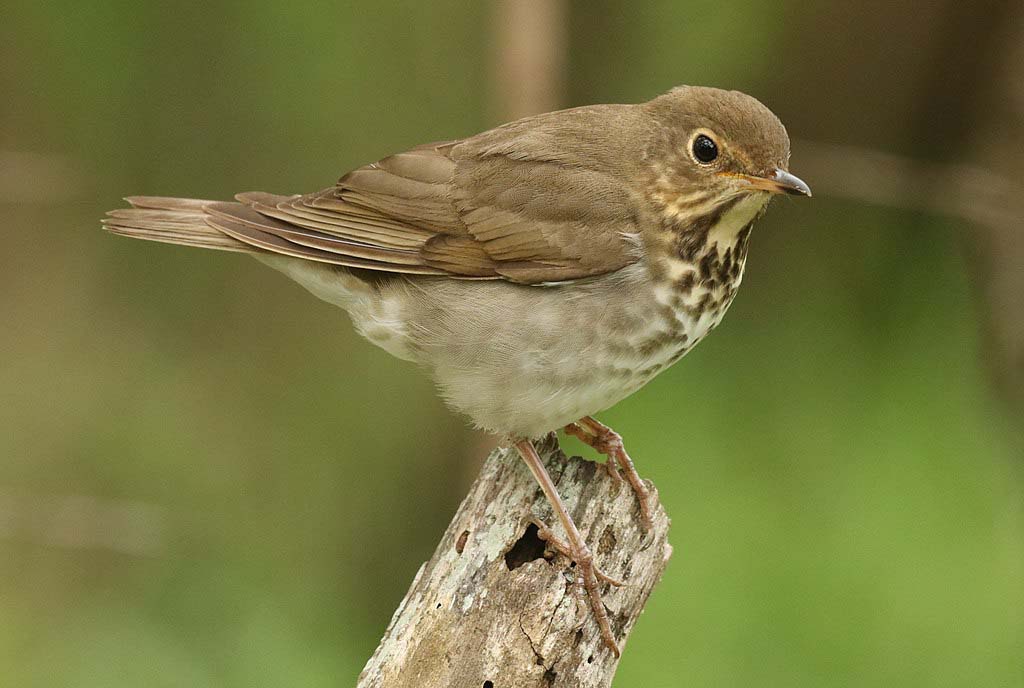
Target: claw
[(605, 578), (575, 548), (612, 469), (588, 575), (608, 442)]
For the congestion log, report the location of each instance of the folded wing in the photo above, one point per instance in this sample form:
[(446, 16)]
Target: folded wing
[(495, 206)]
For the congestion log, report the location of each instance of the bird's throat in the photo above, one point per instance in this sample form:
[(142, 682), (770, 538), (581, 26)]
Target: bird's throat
[(734, 221), (698, 267), (706, 246)]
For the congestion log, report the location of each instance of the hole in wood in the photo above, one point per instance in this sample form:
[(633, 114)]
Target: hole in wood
[(460, 544), (488, 684), (527, 548)]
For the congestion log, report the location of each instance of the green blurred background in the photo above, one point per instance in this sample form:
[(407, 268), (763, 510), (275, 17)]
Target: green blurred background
[(206, 479)]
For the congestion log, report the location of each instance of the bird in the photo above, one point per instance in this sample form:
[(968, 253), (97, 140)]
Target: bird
[(540, 271)]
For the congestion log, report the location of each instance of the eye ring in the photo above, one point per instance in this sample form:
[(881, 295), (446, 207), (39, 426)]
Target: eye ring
[(704, 149)]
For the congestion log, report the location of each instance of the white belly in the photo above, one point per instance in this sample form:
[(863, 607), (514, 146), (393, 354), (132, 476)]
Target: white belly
[(523, 361), (585, 367)]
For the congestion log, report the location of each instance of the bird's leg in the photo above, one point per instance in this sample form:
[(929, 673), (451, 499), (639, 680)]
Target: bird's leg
[(577, 431), (608, 442), (575, 548), (563, 548)]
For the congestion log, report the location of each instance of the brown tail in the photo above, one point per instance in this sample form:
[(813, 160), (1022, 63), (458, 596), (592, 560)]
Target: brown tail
[(173, 221)]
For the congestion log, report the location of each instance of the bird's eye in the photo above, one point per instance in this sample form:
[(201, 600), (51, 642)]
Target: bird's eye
[(704, 149)]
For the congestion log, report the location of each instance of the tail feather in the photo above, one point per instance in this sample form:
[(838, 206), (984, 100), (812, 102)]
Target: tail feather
[(173, 221)]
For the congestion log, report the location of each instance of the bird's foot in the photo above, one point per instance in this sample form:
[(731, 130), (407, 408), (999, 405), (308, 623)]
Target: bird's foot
[(608, 442), (588, 579)]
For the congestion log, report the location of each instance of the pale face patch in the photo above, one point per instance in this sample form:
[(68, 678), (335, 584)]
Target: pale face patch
[(725, 233)]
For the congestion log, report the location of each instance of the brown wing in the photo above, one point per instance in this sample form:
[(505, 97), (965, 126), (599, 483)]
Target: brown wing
[(397, 212), (511, 203), (541, 219)]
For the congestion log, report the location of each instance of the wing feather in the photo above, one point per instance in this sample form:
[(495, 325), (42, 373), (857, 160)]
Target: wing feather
[(540, 200)]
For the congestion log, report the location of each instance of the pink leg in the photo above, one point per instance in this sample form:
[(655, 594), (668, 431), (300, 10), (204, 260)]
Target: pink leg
[(576, 549), (608, 442)]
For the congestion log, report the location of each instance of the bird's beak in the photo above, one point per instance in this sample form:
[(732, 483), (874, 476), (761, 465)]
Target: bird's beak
[(781, 181), (778, 182)]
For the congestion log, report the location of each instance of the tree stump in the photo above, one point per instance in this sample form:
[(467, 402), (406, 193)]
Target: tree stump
[(496, 608)]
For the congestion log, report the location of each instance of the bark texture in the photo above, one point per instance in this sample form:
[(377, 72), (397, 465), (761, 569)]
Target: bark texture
[(494, 607)]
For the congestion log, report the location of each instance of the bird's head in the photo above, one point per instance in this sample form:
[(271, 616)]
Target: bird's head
[(715, 148)]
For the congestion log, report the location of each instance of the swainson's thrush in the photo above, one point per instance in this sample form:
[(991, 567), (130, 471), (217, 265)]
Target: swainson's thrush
[(541, 271)]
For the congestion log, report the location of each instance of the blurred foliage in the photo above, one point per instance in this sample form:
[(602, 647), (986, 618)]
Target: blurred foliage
[(845, 491)]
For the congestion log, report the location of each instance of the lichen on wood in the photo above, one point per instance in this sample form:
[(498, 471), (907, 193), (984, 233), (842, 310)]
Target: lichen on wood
[(495, 606)]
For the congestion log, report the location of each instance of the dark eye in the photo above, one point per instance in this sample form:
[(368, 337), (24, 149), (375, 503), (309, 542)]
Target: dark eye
[(704, 149)]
